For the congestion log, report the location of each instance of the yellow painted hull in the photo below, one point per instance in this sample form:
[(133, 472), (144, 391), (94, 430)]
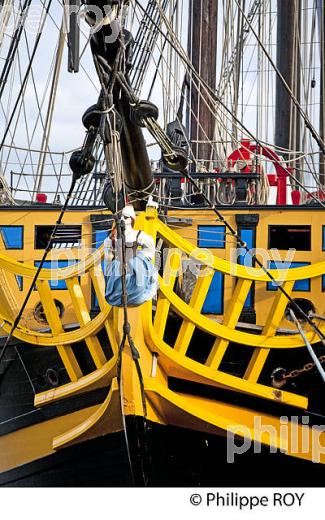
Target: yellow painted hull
[(148, 393)]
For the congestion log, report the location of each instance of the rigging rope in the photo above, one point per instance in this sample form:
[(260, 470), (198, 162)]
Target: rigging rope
[(109, 76), (295, 101), (37, 40), (174, 42), (126, 336), (13, 46), (253, 256)]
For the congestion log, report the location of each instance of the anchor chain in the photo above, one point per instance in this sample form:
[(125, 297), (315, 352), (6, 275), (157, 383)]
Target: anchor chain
[(279, 376)]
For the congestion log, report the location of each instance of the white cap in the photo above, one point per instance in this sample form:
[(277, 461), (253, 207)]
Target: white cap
[(151, 203), (128, 211)]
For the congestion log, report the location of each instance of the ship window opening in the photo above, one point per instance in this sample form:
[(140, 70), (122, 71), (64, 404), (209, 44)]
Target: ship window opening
[(12, 236), (100, 236), (55, 282), (20, 282), (305, 305), (65, 236), (213, 303), (300, 285), (213, 237), (290, 237), (20, 279), (39, 313)]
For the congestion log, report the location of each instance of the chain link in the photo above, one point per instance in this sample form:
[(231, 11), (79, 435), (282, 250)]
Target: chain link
[(306, 368)]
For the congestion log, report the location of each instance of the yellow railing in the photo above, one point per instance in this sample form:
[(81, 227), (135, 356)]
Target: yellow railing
[(58, 337), (174, 357)]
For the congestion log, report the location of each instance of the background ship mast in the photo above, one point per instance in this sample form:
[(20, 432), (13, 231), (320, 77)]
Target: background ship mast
[(287, 119), (202, 52), (321, 24), (215, 58), (5, 11)]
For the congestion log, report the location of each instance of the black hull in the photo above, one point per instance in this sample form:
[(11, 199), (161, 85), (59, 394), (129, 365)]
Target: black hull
[(172, 457)]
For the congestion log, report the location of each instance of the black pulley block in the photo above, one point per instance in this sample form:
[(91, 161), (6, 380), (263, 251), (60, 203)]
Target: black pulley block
[(178, 162), (93, 116), (81, 164), (142, 110), (112, 200), (178, 134)]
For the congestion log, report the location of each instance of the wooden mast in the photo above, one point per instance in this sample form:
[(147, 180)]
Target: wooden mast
[(321, 15), (202, 51), (287, 119)]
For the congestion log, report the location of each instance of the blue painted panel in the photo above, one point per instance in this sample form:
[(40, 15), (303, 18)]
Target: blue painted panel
[(213, 237), (12, 236), (56, 284), (244, 258), (100, 235), (95, 304), (214, 300), (19, 280), (300, 285)]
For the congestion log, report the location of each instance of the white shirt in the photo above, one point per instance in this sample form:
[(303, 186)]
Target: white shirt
[(145, 241)]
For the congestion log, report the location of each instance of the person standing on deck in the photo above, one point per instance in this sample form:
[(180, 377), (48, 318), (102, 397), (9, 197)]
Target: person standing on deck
[(141, 275)]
